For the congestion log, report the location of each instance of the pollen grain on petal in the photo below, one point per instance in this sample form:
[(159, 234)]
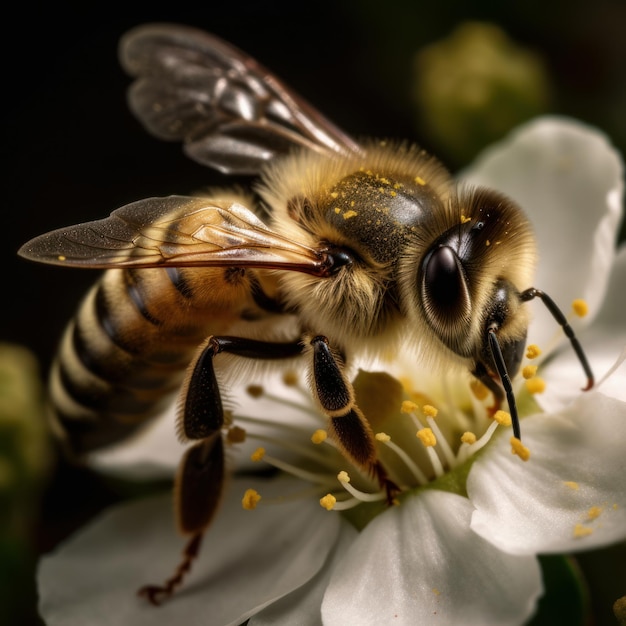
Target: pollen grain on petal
[(580, 307), (328, 501), (533, 351), (319, 436), (427, 437), (594, 512), (536, 385), (256, 391), (518, 448), (250, 499), (572, 484), (236, 434), (258, 454), (580, 530)]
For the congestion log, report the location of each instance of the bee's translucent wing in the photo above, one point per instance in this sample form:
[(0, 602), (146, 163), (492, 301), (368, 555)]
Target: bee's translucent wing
[(230, 112), (176, 231)]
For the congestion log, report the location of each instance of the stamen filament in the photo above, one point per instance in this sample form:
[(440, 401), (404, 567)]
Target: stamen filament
[(419, 476), (444, 446), (358, 494), (475, 447), (312, 477)]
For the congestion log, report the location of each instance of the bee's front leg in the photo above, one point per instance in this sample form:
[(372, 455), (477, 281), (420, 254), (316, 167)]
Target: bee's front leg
[(348, 425), (200, 477)]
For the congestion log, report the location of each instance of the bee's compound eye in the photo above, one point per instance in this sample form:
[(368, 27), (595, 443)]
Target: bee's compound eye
[(444, 284)]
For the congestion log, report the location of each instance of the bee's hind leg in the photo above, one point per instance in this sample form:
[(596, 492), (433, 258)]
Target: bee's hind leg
[(349, 427), (200, 478)]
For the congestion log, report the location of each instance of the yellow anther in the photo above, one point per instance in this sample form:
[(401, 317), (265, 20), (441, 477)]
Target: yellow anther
[(529, 371), (582, 531), (419, 180), (532, 351), (594, 512), (427, 437), (328, 501), (255, 391), (517, 447), (236, 434), (429, 410), (258, 454), (468, 437), (250, 499), (408, 407), (382, 437), (479, 390), (536, 385), (319, 436), (581, 308), (343, 477), (290, 379), (464, 219), (573, 485), (502, 417)]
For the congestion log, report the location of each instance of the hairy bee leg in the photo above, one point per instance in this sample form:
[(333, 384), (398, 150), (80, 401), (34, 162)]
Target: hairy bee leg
[(199, 482), (351, 430)]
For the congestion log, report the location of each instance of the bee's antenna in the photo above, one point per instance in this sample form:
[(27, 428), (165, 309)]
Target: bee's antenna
[(498, 360), (557, 314)]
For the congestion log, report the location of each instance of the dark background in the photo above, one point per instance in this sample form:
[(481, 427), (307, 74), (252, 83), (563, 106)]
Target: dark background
[(72, 152)]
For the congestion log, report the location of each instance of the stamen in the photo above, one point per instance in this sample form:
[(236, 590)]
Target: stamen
[(484, 440), (250, 499), (503, 418), (255, 391), (529, 371), (236, 434), (428, 439), (408, 407), (429, 410), (344, 479), (328, 501), (312, 477), (468, 438), (533, 351), (580, 307), (536, 385), (479, 390), (518, 448), (257, 455), (444, 446), (419, 476)]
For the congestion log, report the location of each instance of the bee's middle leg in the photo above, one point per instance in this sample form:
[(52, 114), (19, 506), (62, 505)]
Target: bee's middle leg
[(200, 477), (350, 428)]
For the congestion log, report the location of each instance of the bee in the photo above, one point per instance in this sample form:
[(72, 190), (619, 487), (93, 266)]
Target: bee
[(340, 248)]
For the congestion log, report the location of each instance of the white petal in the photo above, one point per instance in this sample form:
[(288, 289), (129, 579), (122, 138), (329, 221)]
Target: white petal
[(419, 563), (303, 606), (570, 495), (569, 180), (248, 560), (604, 343)]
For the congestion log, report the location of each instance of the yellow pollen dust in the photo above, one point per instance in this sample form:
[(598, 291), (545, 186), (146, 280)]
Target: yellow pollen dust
[(479, 390), (419, 180), (343, 477), (382, 437), (61, 257), (573, 485), (408, 407), (582, 531), (502, 417), (529, 371), (464, 219), (328, 501), (468, 437), (348, 214), (256, 391), (319, 436), (594, 512), (427, 437), (250, 499), (536, 385), (518, 448), (290, 379), (580, 307), (334, 194), (533, 351), (337, 210), (257, 455), (236, 434), (429, 410)]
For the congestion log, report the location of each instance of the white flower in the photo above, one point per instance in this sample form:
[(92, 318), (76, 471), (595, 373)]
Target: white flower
[(460, 550)]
